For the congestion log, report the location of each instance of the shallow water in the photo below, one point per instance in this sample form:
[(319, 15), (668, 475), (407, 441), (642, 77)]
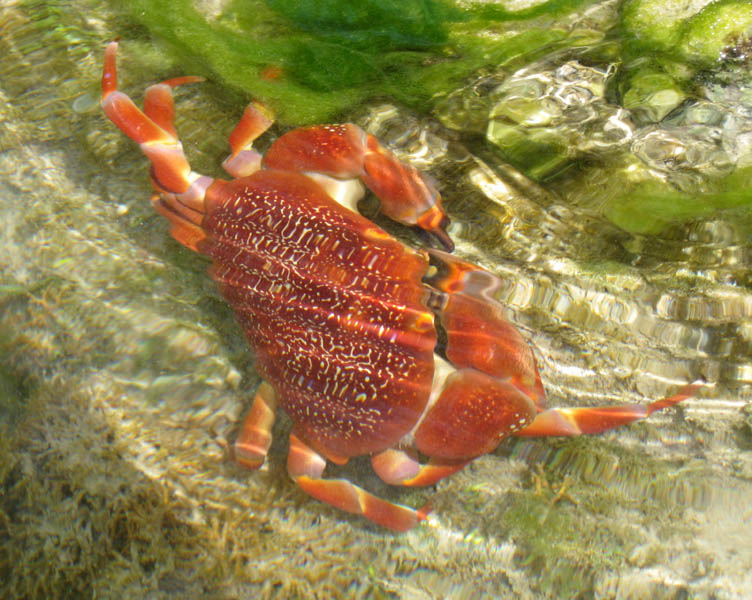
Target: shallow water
[(123, 375)]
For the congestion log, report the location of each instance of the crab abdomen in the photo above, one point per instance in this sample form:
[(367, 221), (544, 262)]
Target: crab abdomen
[(332, 306)]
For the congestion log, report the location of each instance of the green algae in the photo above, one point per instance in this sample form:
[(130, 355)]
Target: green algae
[(650, 25), (699, 32), (577, 514), (372, 25), (666, 52), (650, 207), (650, 92), (668, 45), (714, 32), (498, 11), (312, 60), (240, 59), (539, 154)]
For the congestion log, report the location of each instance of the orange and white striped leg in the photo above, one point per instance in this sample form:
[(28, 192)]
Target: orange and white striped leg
[(170, 169), (159, 105), (182, 190), (306, 467), (478, 335), (577, 421), (255, 436), (243, 159), (399, 467)]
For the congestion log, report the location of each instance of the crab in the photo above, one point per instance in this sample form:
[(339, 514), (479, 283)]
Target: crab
[(370, 346)]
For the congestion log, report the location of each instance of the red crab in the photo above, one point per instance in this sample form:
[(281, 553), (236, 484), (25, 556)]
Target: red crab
[(371, 347)]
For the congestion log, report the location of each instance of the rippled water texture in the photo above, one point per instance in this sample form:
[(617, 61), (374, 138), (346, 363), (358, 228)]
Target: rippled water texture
[(608, 205)]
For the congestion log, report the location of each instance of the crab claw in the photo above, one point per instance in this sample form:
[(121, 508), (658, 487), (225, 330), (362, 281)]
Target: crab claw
[(406, 194), (346, 152)]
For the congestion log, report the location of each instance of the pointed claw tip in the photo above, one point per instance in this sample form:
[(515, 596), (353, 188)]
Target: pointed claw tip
[(444, 238), (435, 222)]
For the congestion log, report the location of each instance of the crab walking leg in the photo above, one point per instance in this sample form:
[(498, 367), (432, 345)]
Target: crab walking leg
[(255, 436), (243, 159), (347, 152), (159, 105), (478, 334), (472, 414), (577, 421), (398, 467), (182, 191), (170, 168), (307, 466)]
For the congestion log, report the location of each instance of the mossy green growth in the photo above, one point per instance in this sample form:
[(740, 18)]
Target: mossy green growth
[(372, 24), (666, 43), (715, 31), (539, 153), (498, 11), (697, 31), (650, 207), (656, 24), (651, 93), (312, 60), (587, 505)]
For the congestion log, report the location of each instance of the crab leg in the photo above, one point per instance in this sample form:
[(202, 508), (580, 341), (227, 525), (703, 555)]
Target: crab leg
[(255, 435), (170, 168), (478, 334), (406, 195), (576, 421), (183, 191), (398, 467), (306, 467), (159, 105), (243, 159), (480, 337)]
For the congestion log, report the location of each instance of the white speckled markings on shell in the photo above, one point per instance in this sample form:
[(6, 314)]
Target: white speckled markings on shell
[(331, 306)]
